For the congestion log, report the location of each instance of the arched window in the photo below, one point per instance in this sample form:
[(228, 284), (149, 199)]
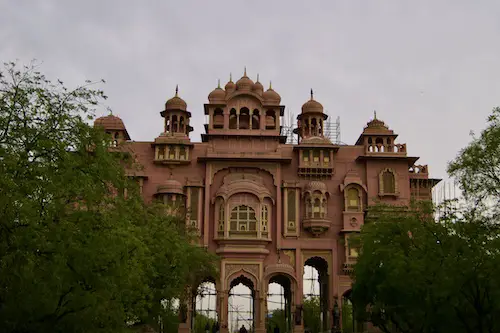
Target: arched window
[(233, 119), (218, 119), (243, 220), (314, 127), (181, 124), (353, 203), (161, 152), (244, 118), (167, 124), (182, 153), (305, 156), (380, 145), (316, 155), (171, 152), (317, 207), (270, 119), (174, 124), (255, 119), (387, 182)]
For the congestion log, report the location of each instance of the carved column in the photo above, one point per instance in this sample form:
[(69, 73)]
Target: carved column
[(259, 315)]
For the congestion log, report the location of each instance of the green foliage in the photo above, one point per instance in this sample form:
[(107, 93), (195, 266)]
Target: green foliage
[(312, 314), (201, 322), (416, 275), (477, 168), (347, 317), (76, 255), (277, 319)]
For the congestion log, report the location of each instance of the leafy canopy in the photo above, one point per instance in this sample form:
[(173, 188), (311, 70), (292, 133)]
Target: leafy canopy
[(416, 274), (76, 254)]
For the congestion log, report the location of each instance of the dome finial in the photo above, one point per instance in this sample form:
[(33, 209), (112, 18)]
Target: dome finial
[(312, 94), (270, 85), (218, 83), (230, 77), (374, 114), (245, 72), (176, 90), (257, 77)]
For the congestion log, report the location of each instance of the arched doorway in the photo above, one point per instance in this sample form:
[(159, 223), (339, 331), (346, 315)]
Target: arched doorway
[(349, 322), (316, 292), (279, 304), (204, 307), (241, 304)]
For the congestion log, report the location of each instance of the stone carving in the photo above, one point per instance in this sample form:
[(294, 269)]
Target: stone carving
[(216, 167), (291, 256), (250, 268)]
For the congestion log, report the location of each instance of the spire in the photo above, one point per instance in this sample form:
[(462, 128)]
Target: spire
[(270, 85), (176, 90), (245, 72), (374, 114), (312, 94), (230, 77), (257, 77), (218, 83)]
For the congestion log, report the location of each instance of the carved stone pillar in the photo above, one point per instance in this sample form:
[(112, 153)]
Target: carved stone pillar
[(222, 311), (259, 316), (185, 317)]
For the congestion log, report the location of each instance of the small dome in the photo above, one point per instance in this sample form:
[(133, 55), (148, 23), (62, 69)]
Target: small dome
[(170, 186), (176, 103), (312, 106), (217, 94), (316, 186), (110, 122), (258, 88), (271, 96), (230, 86), (376, 124)]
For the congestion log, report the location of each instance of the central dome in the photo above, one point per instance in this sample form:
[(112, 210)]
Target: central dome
[(245, 83)]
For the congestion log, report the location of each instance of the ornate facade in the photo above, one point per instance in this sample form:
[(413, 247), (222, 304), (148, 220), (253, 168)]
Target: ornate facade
[(268, 208)]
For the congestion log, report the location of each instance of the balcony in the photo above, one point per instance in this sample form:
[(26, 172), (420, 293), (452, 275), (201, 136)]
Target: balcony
[(348, 268), (316, 225)]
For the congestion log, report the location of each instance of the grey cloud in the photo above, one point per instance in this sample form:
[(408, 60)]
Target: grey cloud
[(430, 68)]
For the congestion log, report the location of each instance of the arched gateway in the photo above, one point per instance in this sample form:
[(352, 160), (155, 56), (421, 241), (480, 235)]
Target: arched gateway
[(269, 208)]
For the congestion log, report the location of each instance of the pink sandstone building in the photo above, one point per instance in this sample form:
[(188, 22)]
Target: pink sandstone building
[(269, 208)]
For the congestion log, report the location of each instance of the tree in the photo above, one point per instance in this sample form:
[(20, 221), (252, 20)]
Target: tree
[(76, 254), (416, 274), (202, 322), (277, 319), (312, 314), (477, 168)]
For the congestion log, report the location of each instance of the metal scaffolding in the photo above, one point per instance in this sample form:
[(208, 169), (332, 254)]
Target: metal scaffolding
[(331, 128)]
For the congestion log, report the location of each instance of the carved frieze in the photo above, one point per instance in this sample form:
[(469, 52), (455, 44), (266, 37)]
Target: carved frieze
[(271, 168), (250, 268)]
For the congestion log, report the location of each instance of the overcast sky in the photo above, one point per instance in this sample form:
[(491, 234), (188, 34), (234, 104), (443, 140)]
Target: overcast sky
[(430, 68)]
